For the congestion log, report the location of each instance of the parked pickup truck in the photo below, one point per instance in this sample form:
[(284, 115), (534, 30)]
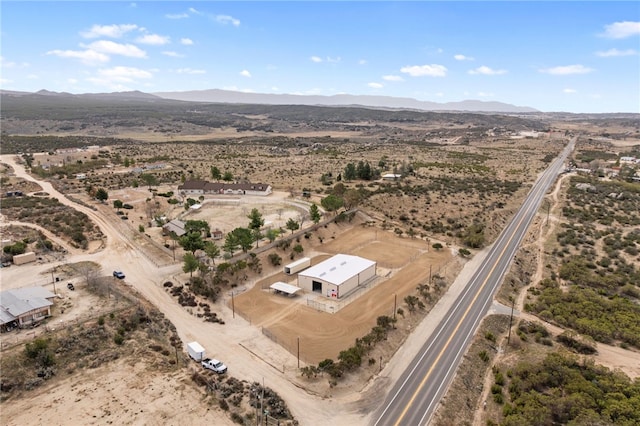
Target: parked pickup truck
[(215, 365)]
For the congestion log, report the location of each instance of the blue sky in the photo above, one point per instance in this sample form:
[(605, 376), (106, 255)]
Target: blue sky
[(553, 56)]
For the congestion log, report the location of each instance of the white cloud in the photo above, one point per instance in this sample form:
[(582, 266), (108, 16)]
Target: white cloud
[(245, 73), (621, 29), (439, 94), (113, 31), (362, 62), (462, 58), (375, 85), (112, 48), (316, 59), (116, 78), (172, 54), (567, 70), (154, 39), (186, 41), (33, 77), (485, 94), (124, 74), (72, 80), (5, 81), (190, 71), (334, 60), (226, 19), (6, 64), (392, 78), (433, 70), (194, 11), (569, 91), (176, 15), (88, 57), (616, 52), (484, 70)]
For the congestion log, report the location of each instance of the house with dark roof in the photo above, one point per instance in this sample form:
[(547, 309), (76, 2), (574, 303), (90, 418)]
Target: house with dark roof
[(24, 306), (203, 187)]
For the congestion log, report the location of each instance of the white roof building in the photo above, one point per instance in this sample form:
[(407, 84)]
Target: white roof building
[(338, 275)]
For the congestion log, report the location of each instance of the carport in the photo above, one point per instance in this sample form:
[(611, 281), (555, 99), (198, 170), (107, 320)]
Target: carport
[(285, 288)]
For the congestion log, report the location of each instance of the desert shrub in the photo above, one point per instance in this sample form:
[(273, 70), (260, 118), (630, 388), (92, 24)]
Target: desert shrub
[(275, 259)]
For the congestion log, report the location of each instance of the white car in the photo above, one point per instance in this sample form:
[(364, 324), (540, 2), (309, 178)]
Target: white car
[(214, 365)]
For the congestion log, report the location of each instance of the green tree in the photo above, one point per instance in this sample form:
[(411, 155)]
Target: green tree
[(255, 219), (314, 212), (437, 246), (332, 203), (190, 263), (272, 234), (200, 226), (102, 194), (212, 250), (350, 172), (215, 173), (117, 204), (243, 237), (227, 177), (231, 243), (149, 179), (292, 225), (191, 241)]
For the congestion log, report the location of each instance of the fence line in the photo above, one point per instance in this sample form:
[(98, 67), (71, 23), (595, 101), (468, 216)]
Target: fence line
[(290, 347)]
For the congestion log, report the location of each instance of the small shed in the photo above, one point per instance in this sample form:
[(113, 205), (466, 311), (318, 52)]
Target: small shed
[(21, 259)]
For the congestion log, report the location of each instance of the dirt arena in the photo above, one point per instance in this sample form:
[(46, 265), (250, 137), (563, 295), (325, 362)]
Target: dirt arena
[(402, 265)]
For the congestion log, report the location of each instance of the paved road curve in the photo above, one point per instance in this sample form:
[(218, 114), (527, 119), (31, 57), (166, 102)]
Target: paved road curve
[(414, 397)]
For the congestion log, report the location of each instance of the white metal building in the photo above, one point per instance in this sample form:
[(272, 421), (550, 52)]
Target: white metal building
[(337, 276)]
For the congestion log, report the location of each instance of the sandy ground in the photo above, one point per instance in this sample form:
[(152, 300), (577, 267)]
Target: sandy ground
[(105, 396)]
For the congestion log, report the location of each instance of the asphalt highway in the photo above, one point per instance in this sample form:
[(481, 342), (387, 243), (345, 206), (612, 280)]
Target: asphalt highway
[(413, 399)]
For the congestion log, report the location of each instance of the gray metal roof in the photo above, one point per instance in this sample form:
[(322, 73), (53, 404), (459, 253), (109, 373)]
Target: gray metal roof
[(16, 302), (338, 269)]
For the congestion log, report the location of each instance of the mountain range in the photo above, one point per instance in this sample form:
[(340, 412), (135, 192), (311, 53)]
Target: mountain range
[(228, 96), (233, 97)]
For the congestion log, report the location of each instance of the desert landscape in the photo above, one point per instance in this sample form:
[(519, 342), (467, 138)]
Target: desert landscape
[(462, 177)]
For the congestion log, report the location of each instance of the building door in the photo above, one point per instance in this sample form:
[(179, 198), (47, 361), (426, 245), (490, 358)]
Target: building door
[(316, 286)]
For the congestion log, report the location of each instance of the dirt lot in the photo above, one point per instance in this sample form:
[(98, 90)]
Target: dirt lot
[(404, 263)]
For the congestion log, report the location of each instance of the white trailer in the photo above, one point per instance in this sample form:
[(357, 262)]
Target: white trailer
[(196, 351), (297, 266)]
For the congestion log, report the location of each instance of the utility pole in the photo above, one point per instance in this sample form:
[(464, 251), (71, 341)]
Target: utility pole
[(298, 351), (53, 280), (395, 301), (513, 301)]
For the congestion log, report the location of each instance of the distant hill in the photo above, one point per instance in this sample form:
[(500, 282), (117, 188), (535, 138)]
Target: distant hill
[(133, 95), (228, 96)]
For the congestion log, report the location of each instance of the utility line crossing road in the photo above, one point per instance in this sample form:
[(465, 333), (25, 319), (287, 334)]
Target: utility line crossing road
[(414, 397)]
